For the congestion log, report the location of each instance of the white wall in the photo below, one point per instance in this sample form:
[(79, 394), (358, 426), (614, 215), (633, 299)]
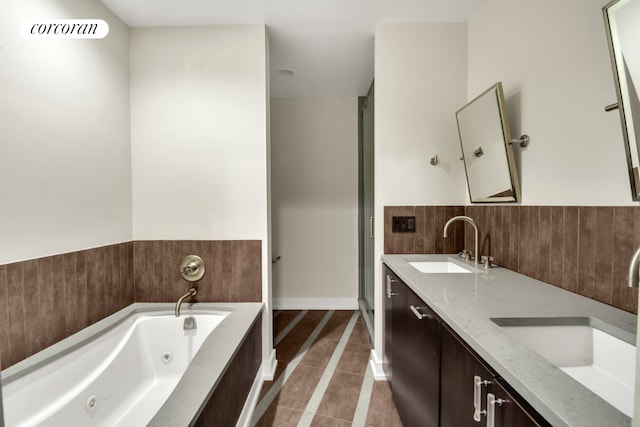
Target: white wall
[(553, 60), (65, 169), (315, 202), (199, 136), (421, 81), (198, 132)]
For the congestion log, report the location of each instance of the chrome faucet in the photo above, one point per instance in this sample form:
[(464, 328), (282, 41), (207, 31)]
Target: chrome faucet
[(475, 232), (192, 292), (632, 278)]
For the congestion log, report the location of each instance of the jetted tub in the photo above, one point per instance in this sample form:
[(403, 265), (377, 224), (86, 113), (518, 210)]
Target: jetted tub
[(120, 371)]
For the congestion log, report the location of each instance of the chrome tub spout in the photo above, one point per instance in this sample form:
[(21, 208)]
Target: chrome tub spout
[(192, 292)]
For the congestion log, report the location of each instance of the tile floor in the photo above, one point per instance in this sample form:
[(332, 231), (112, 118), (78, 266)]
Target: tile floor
[(323, 377)]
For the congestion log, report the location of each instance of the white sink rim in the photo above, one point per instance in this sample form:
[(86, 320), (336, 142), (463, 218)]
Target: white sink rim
[(439, 267), (601, 361)]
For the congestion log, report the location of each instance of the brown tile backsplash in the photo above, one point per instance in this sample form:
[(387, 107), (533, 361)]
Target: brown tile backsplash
[(584, 249), (47, 299), (428, 238)]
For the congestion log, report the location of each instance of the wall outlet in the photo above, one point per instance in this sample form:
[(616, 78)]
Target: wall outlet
[(404, 224)]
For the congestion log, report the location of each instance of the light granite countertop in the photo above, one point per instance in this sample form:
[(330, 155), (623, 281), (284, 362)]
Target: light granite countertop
[(468, 302)]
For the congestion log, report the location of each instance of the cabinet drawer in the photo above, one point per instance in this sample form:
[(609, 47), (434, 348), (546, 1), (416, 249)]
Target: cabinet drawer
[(510, 410)]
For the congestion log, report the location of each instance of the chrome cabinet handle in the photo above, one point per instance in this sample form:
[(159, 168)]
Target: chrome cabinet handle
[(371, 233), (419, 315), (477, 397), (611, 107), (477, 384), (388, 286), (491, 408), (390, 292)]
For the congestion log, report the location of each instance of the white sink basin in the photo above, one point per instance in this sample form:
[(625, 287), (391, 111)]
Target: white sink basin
[(601, 362), (438, 267)]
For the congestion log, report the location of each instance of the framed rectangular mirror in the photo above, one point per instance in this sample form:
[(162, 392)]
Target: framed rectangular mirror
[(621, 19), (489, 163)]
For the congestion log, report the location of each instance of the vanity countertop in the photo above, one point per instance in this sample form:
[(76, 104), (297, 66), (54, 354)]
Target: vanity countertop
[(468, 302)]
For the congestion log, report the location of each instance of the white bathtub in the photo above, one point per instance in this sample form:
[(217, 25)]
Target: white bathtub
[(119, 376)]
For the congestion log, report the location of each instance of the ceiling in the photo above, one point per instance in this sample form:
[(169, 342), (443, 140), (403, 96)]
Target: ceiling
[(328, 44)]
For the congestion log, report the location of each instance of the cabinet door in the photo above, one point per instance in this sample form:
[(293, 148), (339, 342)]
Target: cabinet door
[(459, 368), (387, 358), (394, 300), (510, 410), (418, 376), (400, 339)]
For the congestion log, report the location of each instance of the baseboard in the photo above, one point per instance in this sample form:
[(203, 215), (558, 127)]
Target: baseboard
[(376, 366), (250, 404), (315, 304), (365, 317), (266, 373), (269, 366)]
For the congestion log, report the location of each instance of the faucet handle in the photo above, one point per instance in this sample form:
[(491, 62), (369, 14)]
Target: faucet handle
[(487, 261), (467, 255)]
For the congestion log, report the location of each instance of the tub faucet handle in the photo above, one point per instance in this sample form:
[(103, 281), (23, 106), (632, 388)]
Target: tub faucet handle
[(192, 268), (487, 261)]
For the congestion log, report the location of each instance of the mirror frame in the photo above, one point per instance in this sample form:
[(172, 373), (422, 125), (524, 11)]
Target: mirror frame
[(623, 108), (496, 89)]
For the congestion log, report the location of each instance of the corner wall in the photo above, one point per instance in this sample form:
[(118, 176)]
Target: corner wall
[(199, 137), (201, 165), (199, 132), (421, 75), (65, 160)]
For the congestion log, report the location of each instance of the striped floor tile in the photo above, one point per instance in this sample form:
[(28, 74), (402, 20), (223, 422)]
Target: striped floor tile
[(323, 377)]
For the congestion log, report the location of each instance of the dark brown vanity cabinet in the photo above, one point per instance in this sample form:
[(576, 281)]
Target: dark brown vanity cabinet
[(472, 394), (436, 379), (412, 345)]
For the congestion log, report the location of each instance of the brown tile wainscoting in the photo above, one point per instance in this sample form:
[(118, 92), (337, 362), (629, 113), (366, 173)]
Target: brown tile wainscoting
[(44, 300), (47, 299), (584, 249), (233, 270)]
